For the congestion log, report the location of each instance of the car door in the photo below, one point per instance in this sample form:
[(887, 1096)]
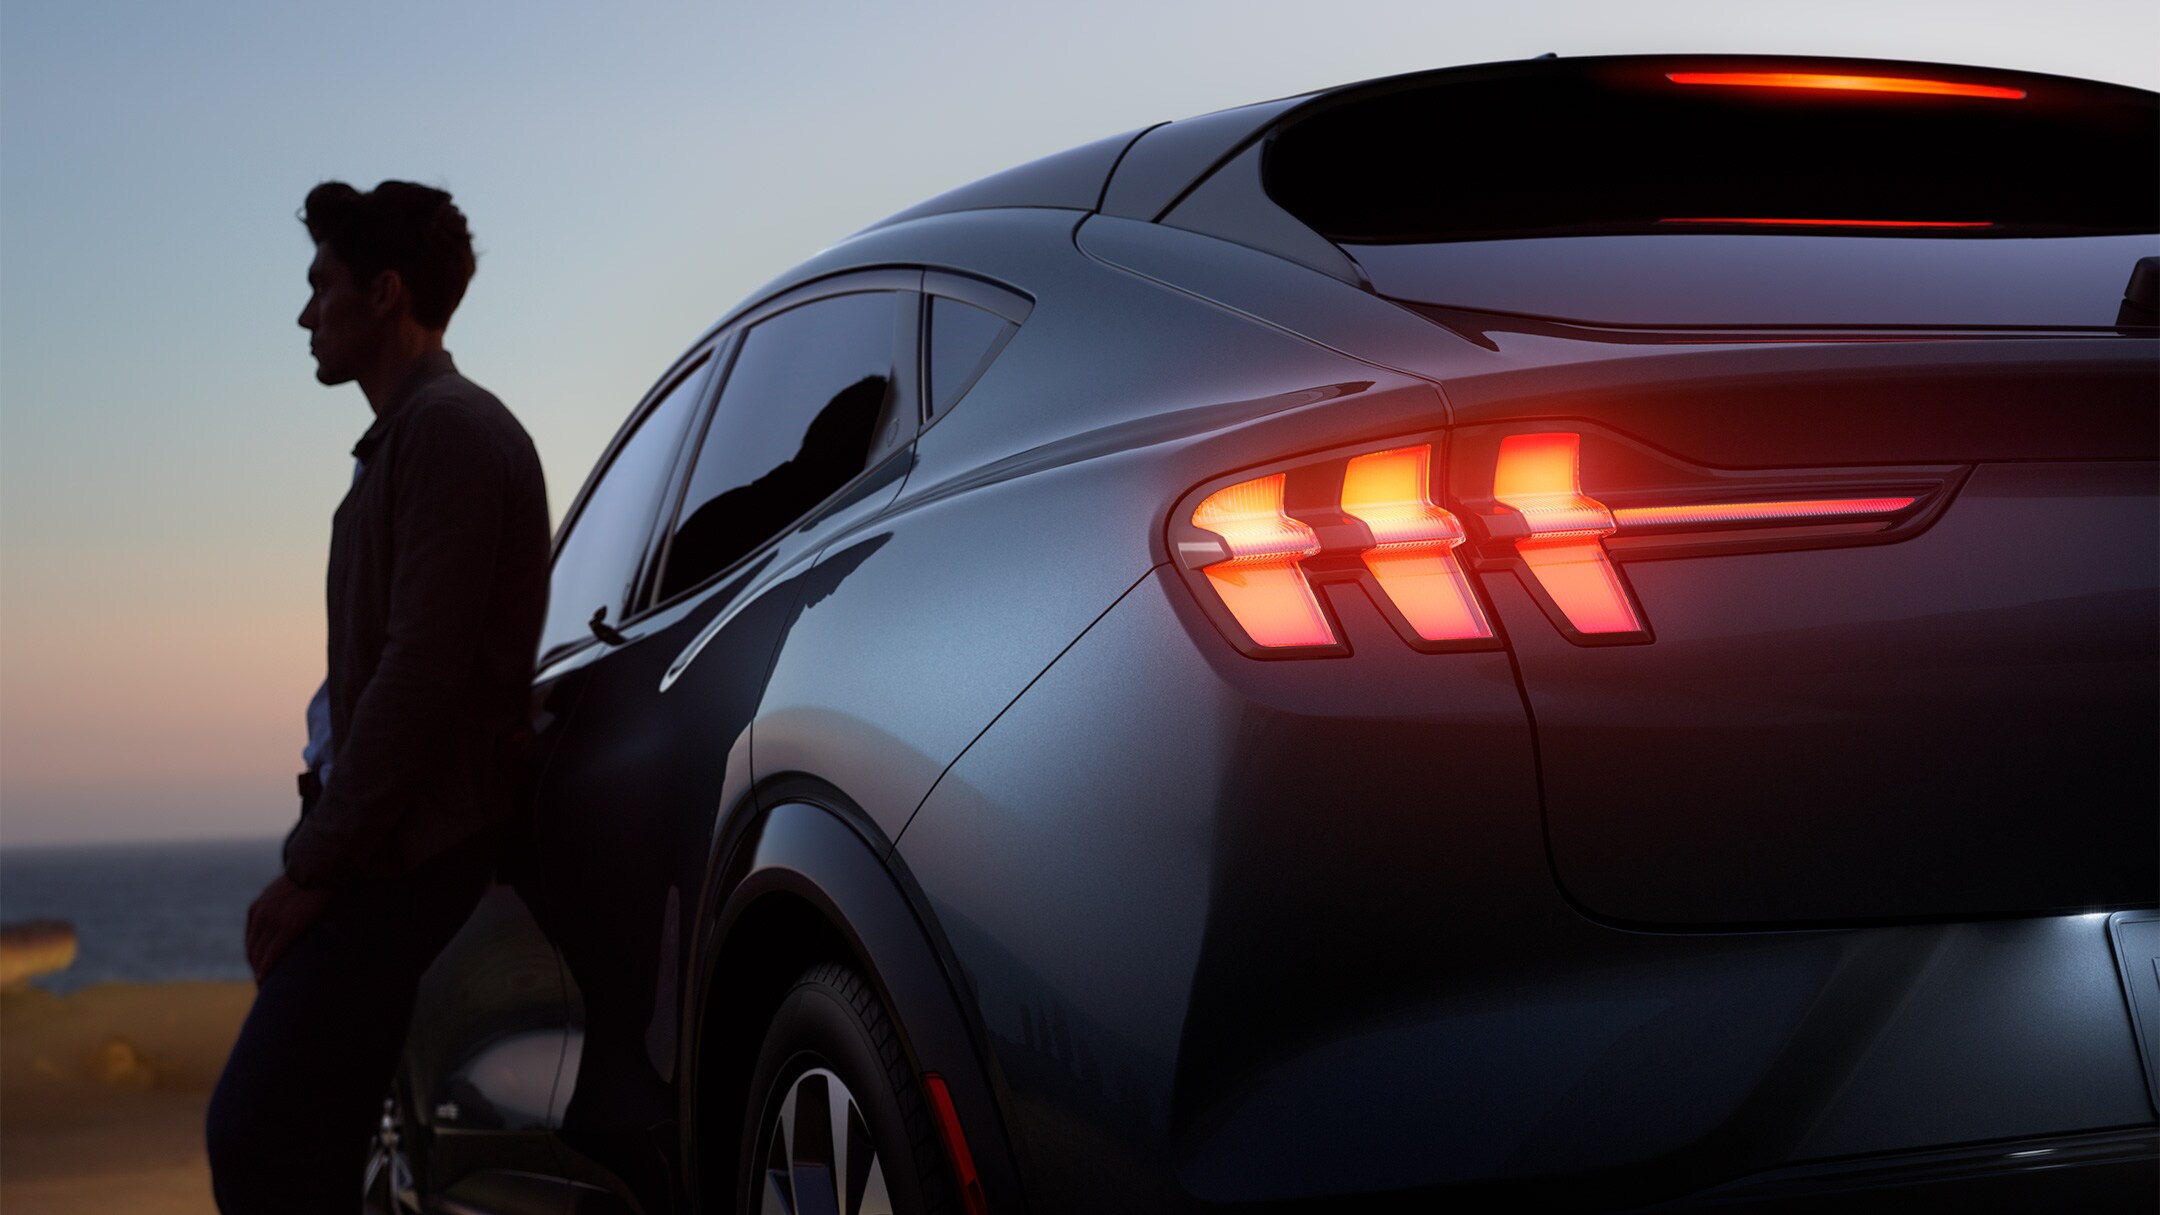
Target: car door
[(809, 429), (492, 1022)]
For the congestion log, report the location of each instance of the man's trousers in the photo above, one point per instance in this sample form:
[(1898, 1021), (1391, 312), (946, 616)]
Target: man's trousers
[(291, 1120)]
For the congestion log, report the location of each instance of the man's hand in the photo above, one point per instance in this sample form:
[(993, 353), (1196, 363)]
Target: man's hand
[(276, 919)]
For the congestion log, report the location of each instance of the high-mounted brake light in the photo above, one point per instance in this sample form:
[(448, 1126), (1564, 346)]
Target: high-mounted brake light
[(1261, 583), (1849, 84), (1538, 477), (1412, 558)]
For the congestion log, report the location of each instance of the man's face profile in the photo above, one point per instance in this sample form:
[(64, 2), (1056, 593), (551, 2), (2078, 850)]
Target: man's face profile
[(341, 316)]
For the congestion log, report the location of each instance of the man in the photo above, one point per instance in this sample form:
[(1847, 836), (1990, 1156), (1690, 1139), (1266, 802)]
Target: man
[(437, 586)]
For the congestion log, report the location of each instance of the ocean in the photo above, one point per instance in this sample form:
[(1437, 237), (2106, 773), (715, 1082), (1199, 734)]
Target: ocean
[(143, 913)]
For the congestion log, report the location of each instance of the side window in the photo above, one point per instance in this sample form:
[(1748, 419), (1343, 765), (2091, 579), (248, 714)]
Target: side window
[(808, 400), (963, 341), (597, 561)]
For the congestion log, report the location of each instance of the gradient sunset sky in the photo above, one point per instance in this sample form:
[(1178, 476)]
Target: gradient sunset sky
[(168, 466)]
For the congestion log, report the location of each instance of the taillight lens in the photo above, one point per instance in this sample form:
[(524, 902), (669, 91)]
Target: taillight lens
[(1559, 533), (1265, 545), (1261, 583), (1539, 477), (1413, 556), (1715, 514)]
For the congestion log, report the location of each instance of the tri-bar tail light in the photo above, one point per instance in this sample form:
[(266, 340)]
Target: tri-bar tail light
[(1266, 550), (1413, 559), (1259, 578), (1269, 552)]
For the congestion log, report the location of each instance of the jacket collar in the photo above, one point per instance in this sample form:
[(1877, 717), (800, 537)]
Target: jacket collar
[(430, 366)]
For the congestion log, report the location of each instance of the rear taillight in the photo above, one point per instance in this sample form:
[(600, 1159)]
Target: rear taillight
[(1713, 514), (1261, 583), (1539, 477), (1565, 509), (1268, 548), (1270, 555), (1413, 553)]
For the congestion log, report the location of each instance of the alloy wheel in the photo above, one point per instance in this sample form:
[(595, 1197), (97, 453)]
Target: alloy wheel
[(819, 1155), (388, 1187)]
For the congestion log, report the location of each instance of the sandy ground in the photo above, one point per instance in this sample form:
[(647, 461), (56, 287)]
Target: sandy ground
[(102, 1095)]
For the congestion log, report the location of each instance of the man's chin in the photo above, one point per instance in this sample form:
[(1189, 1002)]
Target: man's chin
[(331, 376)]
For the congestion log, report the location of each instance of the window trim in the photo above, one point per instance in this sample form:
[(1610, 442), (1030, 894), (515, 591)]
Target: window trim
[(643, 598), (993, 298), (683, 365), (714, 352), (983, 293)]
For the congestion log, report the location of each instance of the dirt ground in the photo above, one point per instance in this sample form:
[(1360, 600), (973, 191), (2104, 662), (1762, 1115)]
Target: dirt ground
[(102, 1095)]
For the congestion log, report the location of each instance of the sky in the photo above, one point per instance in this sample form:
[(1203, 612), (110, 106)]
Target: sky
[(168, 465)]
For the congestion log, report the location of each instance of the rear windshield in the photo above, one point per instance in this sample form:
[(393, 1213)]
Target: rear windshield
[(1731, 179)]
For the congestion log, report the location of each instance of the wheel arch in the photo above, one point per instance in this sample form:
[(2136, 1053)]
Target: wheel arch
[(803, 877)]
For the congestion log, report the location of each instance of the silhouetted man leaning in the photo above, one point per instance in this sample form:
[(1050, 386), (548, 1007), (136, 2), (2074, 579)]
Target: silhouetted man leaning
[(437, 586)]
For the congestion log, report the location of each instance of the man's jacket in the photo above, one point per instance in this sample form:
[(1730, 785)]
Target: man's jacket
[(437, 589)]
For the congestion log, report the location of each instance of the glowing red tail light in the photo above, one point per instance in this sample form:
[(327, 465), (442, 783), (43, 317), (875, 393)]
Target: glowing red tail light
[(1261, 583), (1711, 514), (1539, 478), (1376, 519), (1848, 84), (1413, 556)]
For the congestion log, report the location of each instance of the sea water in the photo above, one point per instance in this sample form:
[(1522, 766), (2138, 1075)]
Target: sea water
[(142, 913)]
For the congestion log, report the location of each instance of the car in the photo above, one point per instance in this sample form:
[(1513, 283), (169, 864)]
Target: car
[(1564, 634)]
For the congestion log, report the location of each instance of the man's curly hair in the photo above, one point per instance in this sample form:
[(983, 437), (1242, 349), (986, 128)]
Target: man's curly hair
[(413, 229)]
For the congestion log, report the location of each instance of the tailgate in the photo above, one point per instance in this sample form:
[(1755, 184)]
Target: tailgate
[(1945, 710)]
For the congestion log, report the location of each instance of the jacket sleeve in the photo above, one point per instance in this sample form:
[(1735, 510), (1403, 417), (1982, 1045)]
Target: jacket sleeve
[(447, 507)]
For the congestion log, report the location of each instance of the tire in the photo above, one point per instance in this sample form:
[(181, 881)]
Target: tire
[(833, 1047)]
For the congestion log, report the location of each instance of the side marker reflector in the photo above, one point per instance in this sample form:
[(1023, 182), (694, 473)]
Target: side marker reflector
[(1413, 557), (956, 1148), (1261, 583), (1539, 477), (1846, 84)]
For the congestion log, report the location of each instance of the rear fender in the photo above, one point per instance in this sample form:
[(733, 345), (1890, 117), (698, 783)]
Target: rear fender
[(807, 879)]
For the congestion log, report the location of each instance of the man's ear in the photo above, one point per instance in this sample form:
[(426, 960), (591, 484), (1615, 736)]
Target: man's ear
[(387, 293)]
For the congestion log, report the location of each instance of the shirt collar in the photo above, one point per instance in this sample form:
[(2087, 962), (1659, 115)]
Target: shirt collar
[(429, 366)]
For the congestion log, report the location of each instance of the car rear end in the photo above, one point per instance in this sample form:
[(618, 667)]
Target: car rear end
[(1702, 755), (1827, 548)]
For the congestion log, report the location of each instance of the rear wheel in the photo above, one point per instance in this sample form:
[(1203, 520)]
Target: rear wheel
[(389, 1186), (835, 1120)]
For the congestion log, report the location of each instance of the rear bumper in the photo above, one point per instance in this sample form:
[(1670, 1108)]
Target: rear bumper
[(2106, 1171)]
